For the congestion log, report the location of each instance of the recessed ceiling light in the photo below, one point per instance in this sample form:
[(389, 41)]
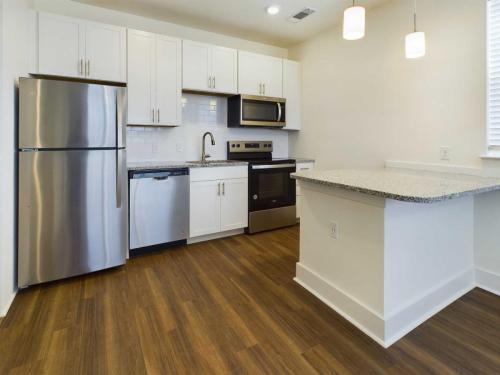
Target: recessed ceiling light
[(273, 10)]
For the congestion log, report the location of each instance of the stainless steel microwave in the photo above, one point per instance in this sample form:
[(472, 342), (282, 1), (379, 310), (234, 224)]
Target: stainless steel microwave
[(261, 111)]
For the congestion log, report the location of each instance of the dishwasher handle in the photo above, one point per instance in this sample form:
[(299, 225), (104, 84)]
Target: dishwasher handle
[(159, 175), (161, 178)]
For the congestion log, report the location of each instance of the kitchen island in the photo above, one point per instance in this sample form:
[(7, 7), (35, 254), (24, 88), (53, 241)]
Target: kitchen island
[(388, 248)]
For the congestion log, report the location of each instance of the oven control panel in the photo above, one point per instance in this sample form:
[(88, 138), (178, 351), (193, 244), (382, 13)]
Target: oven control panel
[(250, 146)]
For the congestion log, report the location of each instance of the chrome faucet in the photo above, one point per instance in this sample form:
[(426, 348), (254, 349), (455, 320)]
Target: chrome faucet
[(204, 156)]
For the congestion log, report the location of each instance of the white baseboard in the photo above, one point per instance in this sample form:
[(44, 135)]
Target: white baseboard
[(414, 314), (214, 236), (488, 281), (361, 316), (385, 331), (5, 309)]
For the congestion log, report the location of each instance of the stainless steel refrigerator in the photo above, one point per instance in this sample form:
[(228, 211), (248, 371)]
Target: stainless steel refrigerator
[(72, 182)]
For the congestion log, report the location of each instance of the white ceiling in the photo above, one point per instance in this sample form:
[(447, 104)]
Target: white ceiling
[(242, 18)]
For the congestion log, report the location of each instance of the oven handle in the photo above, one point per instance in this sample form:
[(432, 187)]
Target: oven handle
[(274, 166)]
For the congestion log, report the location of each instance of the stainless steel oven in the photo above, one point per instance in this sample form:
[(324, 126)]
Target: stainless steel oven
[(271, 191), (262, 111)]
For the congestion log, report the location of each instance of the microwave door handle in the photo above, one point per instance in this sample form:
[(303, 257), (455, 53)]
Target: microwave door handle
[(279, 112)]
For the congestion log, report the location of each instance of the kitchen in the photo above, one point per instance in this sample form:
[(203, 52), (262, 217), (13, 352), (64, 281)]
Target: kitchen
[(202, 143)]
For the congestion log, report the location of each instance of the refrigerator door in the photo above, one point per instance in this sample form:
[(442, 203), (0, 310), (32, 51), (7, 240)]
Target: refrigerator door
[(61, 114), (72, 213)]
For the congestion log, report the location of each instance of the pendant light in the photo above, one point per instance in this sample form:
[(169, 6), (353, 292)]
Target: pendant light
[(415, 41), (354, 22)]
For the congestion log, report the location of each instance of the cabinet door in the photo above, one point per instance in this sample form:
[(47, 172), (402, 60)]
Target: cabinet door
[(234, 204), (61, 46), (168, 80), (204, 212), (225, 70), (292, 93), (272, 69), (140, 57), (250, 76), (196, 65), (105, 52)]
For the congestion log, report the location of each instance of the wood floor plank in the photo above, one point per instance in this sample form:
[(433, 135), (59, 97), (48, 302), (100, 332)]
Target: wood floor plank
[(227, 306)]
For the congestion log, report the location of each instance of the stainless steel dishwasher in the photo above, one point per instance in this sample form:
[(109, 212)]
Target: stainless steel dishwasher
[(159, 207)]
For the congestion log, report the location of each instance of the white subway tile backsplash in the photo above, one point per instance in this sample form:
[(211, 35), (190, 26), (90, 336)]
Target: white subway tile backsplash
[(200, 113)]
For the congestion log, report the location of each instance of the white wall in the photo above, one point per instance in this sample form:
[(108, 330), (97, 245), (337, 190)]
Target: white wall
[(199, 114), (74, 9), (364, 103), (13, 63)]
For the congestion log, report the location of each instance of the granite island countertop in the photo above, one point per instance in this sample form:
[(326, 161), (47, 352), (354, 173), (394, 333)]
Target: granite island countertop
[(402, 184), (159, 165)]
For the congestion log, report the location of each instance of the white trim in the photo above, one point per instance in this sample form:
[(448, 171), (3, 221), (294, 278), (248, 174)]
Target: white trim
[(488, 281), (385, 330), (360, 315), (7, 306), (409, 318), (434, 167), (214, 236)]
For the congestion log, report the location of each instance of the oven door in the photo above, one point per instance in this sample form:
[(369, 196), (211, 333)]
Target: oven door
[(262, 111), (270, 186)]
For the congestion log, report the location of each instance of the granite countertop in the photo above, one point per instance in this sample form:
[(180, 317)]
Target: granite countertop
[(401, 184), (153, 165)]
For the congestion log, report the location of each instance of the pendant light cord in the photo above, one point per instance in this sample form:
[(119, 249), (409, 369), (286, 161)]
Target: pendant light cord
[(415, 17)]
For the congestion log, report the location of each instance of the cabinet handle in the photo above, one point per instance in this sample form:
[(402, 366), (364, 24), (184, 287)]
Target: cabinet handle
[(158, 115), (209, 82), (264, 89), (153, 113), (260, 88), (223, 188), (87, 68), (213, 82), (218, 188), (80, 67)]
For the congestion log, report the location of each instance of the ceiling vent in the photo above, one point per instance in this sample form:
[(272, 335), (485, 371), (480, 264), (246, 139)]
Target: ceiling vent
[(301, 15)]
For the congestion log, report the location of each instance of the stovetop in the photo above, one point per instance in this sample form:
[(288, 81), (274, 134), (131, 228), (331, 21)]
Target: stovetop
[(254, 152)]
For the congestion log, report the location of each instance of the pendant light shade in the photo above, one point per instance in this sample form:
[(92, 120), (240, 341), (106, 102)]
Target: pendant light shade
[(415, 42), (354, 23), (415, 45)]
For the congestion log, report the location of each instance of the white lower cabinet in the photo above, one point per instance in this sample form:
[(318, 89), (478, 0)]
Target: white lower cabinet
[(301, 167), (234, 204), (205, 208), (218, 202)]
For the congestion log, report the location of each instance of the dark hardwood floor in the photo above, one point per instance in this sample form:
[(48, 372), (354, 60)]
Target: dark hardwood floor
[(227, 306)]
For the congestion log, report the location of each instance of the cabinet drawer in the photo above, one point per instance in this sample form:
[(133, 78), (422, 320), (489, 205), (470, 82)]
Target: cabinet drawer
[(218, 173)]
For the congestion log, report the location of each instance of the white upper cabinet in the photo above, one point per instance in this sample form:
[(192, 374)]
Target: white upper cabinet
[(105, 50), (70, 47), (225, 70), (209, 68), (260, 75), (140, 59), (154, 79), (61, 45), (168, 82), (292, 93)]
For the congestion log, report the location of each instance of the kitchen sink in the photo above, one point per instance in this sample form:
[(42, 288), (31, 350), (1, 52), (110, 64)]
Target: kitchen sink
[(213, 162)]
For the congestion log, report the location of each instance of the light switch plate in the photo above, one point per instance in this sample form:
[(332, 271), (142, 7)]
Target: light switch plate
[(334, 230)]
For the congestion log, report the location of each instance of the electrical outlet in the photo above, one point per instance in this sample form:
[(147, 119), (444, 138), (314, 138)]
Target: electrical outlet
[(444, 153), (334, 230), (179, 147)]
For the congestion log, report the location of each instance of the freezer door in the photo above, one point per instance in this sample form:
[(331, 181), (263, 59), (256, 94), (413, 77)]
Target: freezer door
[(60, 114), (72, 213)]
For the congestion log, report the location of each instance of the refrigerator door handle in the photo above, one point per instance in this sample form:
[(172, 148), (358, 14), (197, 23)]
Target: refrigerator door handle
[(119, 178), (120, 126)]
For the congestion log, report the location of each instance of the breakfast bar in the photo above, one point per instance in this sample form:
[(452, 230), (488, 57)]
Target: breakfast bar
[(388, 248)]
